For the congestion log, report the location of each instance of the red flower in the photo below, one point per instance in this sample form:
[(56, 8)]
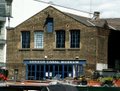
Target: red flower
[(2, 77)]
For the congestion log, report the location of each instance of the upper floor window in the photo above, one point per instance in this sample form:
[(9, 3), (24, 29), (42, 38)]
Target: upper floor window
[(38, 39), (49, 26), (60, 39), (25, 39), (74, 38)]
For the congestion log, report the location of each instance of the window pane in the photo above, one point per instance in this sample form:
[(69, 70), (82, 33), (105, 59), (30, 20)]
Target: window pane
[(38, 39), (25, 39), (60, 39), (49, 25), (31, 72), (75, 39)]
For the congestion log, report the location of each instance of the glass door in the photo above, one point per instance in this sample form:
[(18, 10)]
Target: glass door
[(39, 72), (58, 70), (31, 72), (68, 71), (49, 71)]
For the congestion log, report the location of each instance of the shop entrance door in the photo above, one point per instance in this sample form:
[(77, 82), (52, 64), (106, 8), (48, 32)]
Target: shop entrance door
[(68, 71), (49, 71)]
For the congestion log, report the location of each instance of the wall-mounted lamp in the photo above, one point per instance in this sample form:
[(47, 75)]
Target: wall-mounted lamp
[(77, 57), (45, 57)]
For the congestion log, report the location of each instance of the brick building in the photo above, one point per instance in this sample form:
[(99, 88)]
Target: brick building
[(54, 42)]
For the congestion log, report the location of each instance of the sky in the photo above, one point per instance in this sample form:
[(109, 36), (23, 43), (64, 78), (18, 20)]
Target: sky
[(24, 9)]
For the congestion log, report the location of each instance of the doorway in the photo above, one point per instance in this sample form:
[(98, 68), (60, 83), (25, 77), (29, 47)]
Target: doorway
[(114, 50)]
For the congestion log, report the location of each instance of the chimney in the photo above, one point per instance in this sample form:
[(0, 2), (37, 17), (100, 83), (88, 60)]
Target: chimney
[(96, 15)]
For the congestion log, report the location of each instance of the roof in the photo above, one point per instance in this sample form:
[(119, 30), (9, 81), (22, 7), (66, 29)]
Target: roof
[(112, 23), (81, 19)]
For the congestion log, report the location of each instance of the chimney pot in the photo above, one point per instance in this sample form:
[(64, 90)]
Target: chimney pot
[(96, 15)]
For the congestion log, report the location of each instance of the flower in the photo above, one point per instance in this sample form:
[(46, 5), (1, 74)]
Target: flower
[(3, 77)]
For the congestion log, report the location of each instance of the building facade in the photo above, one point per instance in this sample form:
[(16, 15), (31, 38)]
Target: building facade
[(2, 33), (53, 42)]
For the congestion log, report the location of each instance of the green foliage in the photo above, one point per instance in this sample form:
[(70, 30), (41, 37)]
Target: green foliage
[(104, 79)]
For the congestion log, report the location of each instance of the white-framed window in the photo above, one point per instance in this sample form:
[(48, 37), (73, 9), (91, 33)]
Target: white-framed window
[(38, 39)]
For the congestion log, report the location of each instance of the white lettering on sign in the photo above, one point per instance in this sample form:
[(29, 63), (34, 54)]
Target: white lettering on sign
[(36, 61), (65, 62)]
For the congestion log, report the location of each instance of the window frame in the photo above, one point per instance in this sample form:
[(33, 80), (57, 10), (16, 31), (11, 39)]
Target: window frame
[(23, 42), (75, 42), (40, 40), (61, 39), (49, 24)]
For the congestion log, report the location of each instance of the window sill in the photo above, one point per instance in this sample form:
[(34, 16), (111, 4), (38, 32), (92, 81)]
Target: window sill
[(73, 49), (59, 49), (37, 49), (24, 49)]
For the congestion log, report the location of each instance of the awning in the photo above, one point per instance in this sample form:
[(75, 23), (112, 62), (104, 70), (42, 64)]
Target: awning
[(54, 61)]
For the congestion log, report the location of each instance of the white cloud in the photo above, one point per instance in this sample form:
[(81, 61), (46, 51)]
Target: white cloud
[(108, 8)]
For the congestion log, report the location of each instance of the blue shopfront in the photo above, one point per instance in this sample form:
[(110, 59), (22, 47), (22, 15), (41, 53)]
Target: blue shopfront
[(45, 69)]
